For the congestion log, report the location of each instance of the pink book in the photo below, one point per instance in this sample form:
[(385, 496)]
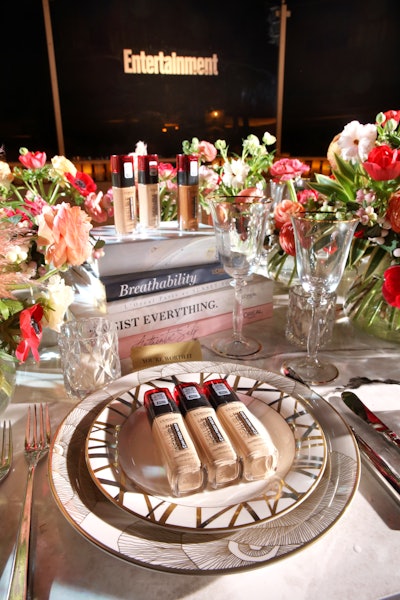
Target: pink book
[(191, 330)]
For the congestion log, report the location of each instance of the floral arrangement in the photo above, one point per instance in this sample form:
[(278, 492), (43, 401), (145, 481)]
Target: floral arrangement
[(46, 213), (365, 182), (222, 174), (365, 162)]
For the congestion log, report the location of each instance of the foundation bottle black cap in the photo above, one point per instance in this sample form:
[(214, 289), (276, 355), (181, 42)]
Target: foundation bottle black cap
[(187, 168), (216, 399), (147, 168), (122, 170), (159, 401), (185, 402)]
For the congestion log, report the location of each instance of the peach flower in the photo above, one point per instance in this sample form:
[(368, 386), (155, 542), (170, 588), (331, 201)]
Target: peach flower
[(284, 210), (64, 232)]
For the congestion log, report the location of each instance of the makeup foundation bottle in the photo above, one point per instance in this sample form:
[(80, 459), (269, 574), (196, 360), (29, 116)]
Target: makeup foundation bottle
[(124, 194), (187, 166), (148, 191), (184, 470), (211, 441), (250, 439)]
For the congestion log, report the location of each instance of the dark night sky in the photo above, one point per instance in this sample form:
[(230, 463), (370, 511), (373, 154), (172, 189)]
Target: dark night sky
[(341, 64)]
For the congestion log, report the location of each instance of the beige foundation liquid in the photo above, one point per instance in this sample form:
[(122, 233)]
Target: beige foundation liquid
[(124, 194), (250, 439), (211, 441), (188, 191), (183, 466)]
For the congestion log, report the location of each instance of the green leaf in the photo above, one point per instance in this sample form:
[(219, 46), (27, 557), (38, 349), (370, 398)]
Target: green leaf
[(358, 249), (378, 261)]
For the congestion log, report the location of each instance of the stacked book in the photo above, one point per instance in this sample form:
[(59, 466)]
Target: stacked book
[(168, 286)]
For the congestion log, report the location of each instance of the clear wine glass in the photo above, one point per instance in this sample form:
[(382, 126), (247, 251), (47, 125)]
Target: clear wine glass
[(239, 225), (322, 244)]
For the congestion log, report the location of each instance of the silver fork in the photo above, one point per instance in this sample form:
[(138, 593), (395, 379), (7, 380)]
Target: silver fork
[(37, 442), (6, 450)]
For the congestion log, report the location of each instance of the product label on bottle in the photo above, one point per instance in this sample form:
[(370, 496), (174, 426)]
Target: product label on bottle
[(190, 392), (128, 170), (177, 435), (159, 399), (246, 424), (221, 389), (215, 431)]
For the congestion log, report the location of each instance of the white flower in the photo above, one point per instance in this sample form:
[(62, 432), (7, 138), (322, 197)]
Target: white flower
[(141, 148), (235, 173), (62, 165), (251, 144), (268, 139), (6, 176), (356, 141), (60, 296)]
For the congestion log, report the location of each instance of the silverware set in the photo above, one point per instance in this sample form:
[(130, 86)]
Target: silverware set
[(36, 446), (385, 459)]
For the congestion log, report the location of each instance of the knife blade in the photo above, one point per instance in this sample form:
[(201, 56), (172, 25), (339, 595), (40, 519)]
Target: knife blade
[(358, 407)]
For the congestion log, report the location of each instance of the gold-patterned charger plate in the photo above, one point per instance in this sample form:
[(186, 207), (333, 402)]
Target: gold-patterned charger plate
[(127, 468), (141, 542)]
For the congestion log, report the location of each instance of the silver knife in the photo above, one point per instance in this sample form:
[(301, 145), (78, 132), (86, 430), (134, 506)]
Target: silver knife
[(358, 407)]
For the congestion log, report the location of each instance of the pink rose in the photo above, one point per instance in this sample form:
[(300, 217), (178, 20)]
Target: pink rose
[(33, 160), (64, 233), (288, 168), (383, 163), (99, 206), (166, 171), (207, 151)]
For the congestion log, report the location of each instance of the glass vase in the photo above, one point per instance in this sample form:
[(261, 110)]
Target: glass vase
[(8, 377), (368, 310)]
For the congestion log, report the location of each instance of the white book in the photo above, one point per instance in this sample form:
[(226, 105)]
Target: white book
[(212, 303), (159, 249)]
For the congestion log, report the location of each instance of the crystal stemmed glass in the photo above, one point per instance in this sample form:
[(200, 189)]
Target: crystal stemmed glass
[(239, 225), (322, 244)]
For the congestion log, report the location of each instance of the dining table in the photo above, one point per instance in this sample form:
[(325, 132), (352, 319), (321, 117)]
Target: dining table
[(350, 549)]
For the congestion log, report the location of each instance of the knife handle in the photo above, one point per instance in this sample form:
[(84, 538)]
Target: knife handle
[(391, 436), (378, 463)]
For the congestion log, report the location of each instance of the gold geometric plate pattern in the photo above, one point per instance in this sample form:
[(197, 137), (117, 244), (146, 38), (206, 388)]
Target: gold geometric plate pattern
[(143, 543), (122, 462)]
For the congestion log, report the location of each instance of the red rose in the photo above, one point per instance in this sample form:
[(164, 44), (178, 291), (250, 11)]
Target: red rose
[(383, 163), (393, 212), (286, 239), (391, 286)]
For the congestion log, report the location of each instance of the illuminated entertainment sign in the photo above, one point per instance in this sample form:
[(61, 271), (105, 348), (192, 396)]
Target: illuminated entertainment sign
[(170, 64)]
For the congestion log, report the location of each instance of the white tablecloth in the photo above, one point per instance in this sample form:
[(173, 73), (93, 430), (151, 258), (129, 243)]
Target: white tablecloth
[(357, 558)]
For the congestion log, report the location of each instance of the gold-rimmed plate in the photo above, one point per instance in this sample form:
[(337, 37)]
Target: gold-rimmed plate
[(125, 465), (140, 542)]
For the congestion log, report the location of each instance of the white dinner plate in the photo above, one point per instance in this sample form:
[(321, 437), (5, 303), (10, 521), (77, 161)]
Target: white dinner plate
[(127, 468), (148, 544)]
